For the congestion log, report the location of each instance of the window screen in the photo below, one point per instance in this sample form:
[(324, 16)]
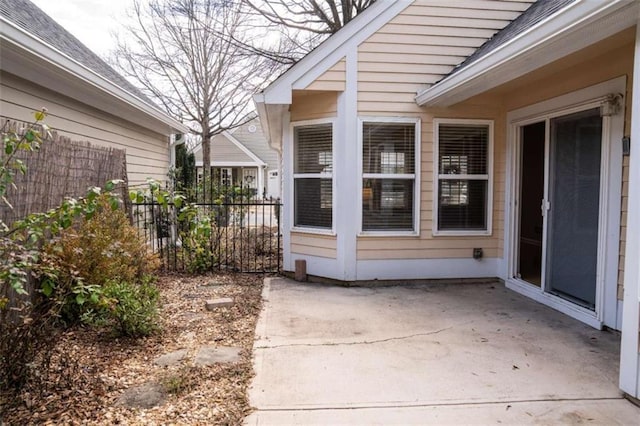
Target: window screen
[(388, 184), (313, 176), (463, 176)]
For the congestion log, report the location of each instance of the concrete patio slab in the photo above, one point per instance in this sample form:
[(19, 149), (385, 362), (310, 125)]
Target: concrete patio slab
[(459, 353)]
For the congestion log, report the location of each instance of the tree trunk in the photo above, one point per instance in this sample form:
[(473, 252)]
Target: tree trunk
[(207, 183)]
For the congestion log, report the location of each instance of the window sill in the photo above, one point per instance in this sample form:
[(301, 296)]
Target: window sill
[(462, 233), (314, 231), (407, 234)]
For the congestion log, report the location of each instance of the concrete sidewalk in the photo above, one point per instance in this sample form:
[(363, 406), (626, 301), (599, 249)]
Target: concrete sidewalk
[(432, 354)]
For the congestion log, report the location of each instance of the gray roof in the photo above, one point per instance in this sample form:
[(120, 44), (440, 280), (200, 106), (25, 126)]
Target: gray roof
[(538, 11), (30, 18)]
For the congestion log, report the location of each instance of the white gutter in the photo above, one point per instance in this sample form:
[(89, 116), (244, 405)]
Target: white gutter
[(491, 70), (11, 33)]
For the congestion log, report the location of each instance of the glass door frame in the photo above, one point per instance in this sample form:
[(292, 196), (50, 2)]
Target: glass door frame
[(606, 306)]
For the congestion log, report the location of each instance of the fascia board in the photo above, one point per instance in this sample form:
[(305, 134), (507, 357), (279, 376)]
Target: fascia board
[(561, 29), (21, 39), (231, 164), (332, 50)]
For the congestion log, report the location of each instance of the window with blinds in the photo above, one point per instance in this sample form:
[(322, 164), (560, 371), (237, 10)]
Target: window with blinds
[(463, 175), (388, 176), (313, 176)]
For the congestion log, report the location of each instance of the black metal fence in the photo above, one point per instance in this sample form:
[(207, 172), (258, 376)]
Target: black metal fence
[(239, 235)]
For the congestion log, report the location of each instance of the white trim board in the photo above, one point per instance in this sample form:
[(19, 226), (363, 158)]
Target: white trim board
[(318, 266), (629, 355), (413, 269), (229, 164)]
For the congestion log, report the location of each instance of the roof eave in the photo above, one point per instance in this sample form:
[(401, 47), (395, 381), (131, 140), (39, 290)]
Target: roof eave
[(570, 29), (16, 36)]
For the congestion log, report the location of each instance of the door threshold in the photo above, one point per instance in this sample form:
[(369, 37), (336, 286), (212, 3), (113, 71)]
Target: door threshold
[(579, 313)]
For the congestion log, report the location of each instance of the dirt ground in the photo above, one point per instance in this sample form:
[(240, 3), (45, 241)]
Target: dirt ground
[(90, 370)]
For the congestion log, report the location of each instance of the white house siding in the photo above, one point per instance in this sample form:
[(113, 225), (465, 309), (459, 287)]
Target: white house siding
[(331, 80), (147, 152)]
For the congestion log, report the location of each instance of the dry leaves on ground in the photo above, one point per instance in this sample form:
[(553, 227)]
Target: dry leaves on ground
[(89, 370)]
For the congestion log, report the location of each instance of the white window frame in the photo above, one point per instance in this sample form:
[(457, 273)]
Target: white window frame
[(294, 176), (437, 177), (415, 175)]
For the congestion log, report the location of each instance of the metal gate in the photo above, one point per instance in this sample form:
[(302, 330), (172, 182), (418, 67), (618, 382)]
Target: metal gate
[(234, 236)]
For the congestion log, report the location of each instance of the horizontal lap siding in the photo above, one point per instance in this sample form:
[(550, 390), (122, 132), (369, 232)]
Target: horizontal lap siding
[(311, 106), (222, 149), (147, 152), (313, 245), (413, 50), (333, 79)]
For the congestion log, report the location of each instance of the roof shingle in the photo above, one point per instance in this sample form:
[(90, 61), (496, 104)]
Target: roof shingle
[(30, 18), (538, 11)]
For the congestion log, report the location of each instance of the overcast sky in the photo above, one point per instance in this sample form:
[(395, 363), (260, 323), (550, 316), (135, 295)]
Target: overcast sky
[(91, 21)]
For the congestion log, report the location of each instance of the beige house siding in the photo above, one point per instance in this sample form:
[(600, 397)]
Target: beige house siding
[(313, 105), (331, 80), (313, 245), (606, 60), (422, 44), (147, 152)]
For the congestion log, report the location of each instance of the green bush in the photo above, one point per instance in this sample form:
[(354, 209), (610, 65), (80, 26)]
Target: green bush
[(131, 310)]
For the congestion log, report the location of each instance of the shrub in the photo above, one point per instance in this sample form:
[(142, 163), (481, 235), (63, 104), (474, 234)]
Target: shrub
[(131, 310), (105, 247)]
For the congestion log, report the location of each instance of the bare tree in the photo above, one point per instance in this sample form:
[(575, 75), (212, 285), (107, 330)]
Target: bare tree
[(184, 54), (301, 24), (317, 16)]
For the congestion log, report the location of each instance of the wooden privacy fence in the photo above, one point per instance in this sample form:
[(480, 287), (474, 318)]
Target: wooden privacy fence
[(61, 168)]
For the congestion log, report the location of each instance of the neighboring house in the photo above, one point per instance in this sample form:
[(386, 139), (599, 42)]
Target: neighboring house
[(466, 139), (42, 65), (242, 157)]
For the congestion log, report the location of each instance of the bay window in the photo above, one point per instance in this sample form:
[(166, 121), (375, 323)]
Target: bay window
[(313, 176), (463, 150), (389, 171)]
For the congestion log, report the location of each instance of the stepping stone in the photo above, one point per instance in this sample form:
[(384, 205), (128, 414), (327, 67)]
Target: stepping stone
[(212, 284), (223, 302), (148, 395), (172, 358), (191, 296), (209, 355), (192, 316)]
